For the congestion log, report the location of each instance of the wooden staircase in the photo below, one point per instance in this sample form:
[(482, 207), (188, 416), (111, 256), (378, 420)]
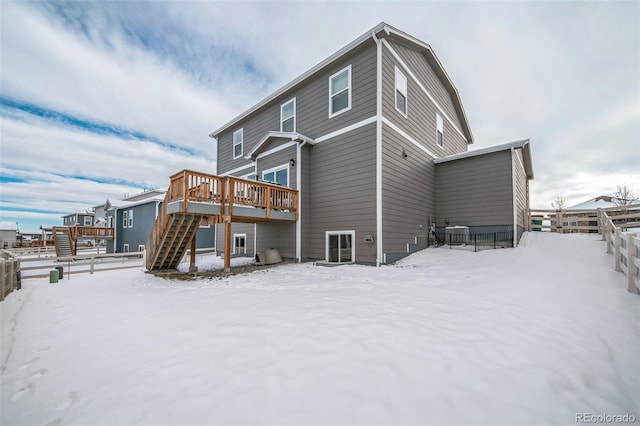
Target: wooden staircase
[(175, 238), (63, 242)]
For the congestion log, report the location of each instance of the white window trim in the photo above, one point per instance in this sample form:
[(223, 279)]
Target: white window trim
[(125, 248), (353, 244), (130, 218), (277, 169), (406, 92), (125, 217), (247, 176), (85, 220), (439, 128), (348, 69), (294, 114), (141, 247), (241, 143), (245, 243)]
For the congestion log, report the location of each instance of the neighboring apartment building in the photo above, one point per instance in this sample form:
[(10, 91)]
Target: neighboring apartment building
[(133, 218), (375, 140)]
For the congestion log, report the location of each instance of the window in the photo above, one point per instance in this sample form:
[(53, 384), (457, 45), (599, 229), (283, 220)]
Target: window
[(110, 222), (340, 92), (130, 218), (250, 176), (401, 92), (340, 246), (439, 131), (237, 143), (125, 248), (288, 116), (240, 243), (87, 221), (279, 175), (125, 216)]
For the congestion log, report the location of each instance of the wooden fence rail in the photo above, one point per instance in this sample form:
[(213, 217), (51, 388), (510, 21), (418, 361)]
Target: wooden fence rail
[(81, 263), (625, 248), (9, 273)]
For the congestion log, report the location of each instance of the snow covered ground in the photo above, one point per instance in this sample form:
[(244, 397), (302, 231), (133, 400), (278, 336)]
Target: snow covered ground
[(531, 335)]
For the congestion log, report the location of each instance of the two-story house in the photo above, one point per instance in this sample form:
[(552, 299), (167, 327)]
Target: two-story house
[(373, 138)]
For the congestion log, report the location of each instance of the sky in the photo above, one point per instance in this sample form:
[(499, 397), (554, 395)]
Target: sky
[(103, 99)]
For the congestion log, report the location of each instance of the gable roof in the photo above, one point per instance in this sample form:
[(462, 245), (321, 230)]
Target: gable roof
[(519, 144), (381, 30), (600, 202), (293, 136)]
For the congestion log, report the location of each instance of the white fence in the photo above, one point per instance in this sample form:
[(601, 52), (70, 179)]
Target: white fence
[(32, 267), (623, 242)]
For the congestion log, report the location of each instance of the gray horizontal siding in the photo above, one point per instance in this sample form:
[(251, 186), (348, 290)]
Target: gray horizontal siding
[(342, 182), (408, 192), (312, 107), (279, 235), (277, 159), (236, 228), (420, 122), (475, 191), (427, 76)]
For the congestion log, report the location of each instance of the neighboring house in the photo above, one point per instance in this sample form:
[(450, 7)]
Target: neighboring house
[(583, 217), (78, 219), (133, 218), (8, 234), (373, 138)]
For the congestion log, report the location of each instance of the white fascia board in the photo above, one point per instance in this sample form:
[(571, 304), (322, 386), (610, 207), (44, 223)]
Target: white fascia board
[(339, 54), (237, 169), (378, 117), (294, 136), (507, 146)]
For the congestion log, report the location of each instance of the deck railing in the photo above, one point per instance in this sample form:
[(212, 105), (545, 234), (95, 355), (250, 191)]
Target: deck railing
[(230, 191), (90, 231)]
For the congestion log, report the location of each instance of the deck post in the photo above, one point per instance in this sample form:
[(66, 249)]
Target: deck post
[(192, 256), (227, 245)]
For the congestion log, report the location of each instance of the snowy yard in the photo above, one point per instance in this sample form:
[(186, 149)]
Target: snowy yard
[(531, 335)]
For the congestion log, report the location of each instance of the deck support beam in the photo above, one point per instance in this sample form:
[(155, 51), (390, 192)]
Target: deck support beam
[(227, 245), (192, 255)]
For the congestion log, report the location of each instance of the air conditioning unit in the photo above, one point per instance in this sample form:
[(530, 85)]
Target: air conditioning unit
[(457, 235)]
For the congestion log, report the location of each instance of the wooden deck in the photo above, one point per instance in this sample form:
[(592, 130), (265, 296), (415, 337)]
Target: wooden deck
[(241, 200), (196, 199)]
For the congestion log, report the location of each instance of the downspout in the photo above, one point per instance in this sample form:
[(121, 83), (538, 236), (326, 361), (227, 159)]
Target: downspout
[(115, 229), (255, 225), (379, 247), (514, 196), (299, 185)]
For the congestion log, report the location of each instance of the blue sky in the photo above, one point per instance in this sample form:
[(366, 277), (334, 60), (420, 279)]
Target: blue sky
[(100, 99)]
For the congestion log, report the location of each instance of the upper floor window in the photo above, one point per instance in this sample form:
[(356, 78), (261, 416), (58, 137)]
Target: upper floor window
[(340, 92), (439, 131), (279, 175), (125, 216), (288, 116), (130, 218), (110, 222), (401, 92), (87, 221), (237, 143)]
